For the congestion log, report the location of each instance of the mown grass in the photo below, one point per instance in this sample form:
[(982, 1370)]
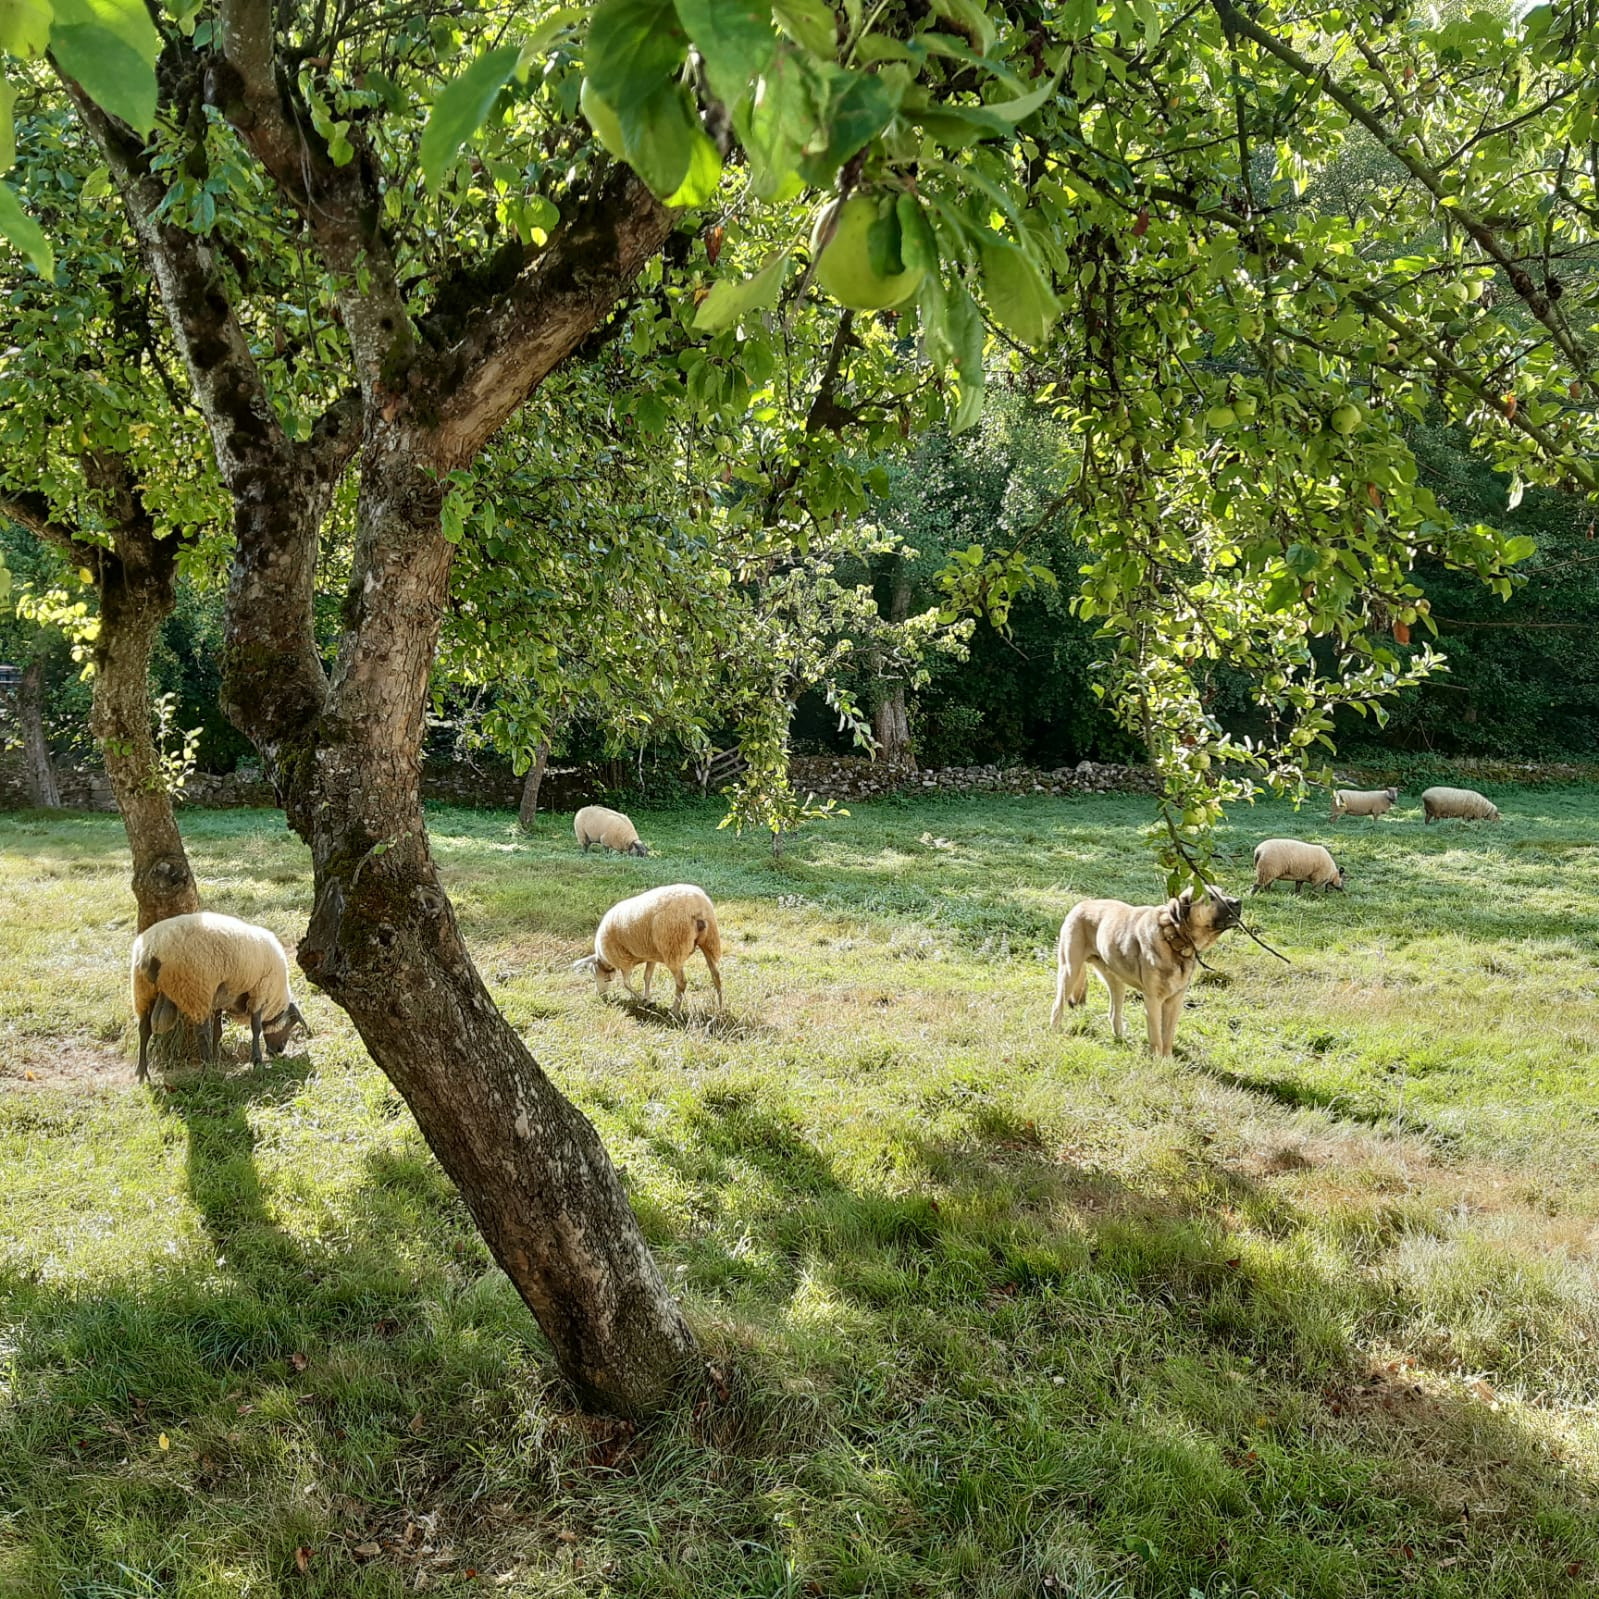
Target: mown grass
[(1313, 1310)]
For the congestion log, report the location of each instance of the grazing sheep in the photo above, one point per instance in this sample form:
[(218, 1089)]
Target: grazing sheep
[(203, 966), (1298, 862), (1372, 802), (661, 928), (596, 825), (1461, 804)]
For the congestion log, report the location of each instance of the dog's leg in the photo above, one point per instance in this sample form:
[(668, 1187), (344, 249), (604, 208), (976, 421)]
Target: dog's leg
[(1155, 1017), (1118, 992), (1062, 978), (1171, 1010)]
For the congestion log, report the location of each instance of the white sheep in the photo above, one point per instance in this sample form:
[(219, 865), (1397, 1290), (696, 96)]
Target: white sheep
[(594, 824), (1460, 804), (1372, 802), (661, 928), (1296, 861), (203, 966)]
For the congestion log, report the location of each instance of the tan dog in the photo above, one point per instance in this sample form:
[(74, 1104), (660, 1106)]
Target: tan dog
[(1153, 948)]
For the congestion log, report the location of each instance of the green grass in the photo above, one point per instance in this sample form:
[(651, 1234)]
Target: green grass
[(1312, 1310)]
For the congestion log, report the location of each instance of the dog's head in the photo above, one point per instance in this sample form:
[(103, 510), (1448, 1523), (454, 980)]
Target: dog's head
[(1205, 916)]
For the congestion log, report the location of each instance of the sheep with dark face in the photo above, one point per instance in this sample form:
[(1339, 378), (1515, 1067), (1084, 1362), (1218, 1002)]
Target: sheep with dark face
[(1458, 804), (1372, 802), (661, 928), (1292, 859), (594, 824), (203, 967)]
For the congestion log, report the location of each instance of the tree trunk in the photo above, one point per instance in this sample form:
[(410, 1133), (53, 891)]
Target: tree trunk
[(891, 725), (345, 756), (384, 944), (42, 790), (135, 582), (529, 809)]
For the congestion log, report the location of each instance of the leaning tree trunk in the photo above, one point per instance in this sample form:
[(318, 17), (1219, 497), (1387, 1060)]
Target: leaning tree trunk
[(345, 756), (384, 943), (528, 811), (42, 789)]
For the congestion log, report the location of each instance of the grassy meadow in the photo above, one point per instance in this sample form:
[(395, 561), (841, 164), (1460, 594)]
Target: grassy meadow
[(988, 1310)]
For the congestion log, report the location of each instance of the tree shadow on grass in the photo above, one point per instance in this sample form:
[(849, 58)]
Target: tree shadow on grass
[(1035, 1351)]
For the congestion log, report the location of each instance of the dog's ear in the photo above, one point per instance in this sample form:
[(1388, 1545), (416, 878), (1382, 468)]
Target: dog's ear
[(1183, 905)]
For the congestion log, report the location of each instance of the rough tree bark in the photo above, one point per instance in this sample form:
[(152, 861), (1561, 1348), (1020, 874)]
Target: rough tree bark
[(134, 581), (891, 725), (42, 790), (345, 754), (528, 810)]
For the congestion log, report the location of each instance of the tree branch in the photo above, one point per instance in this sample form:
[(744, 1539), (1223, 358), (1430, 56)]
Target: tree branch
[(341, 204), (1484, 236), (32, 511), (507, 339)]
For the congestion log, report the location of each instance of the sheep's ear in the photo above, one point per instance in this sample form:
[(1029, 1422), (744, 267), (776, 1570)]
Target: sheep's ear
[(295, 1018)]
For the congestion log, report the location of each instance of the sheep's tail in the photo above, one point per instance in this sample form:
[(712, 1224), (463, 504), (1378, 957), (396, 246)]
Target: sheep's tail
[(707, 936)]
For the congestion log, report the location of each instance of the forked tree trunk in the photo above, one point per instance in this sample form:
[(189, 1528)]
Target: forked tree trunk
[(527, 812), (345, 756), (384, 943), (42, 789)]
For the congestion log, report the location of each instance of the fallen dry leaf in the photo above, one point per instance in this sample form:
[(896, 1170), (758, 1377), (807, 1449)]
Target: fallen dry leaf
[(163, 1442), (302, 1558), (366, 1551), (416, 1425), (298, 1362)]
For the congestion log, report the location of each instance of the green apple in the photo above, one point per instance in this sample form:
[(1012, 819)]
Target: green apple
[(844, 267)]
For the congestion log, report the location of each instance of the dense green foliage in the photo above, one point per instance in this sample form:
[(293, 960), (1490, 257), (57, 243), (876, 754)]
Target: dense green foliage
[(996, 1311)]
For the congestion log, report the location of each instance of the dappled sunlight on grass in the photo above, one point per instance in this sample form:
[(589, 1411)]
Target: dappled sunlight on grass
[(988, 1309)]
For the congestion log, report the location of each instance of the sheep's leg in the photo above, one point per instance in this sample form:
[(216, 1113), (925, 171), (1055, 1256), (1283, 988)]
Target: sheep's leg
[(1299, 884), (143, 1075), (649, 977), (716, 979), (627, 981), (1062, 976), (681, 980), (255, 1040)]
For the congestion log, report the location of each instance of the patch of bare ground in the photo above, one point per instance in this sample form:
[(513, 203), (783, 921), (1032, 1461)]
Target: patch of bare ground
[(62, 1063)]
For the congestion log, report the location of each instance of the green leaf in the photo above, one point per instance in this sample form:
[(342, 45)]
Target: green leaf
[(1018, 110), (965, 332), (8, 137), (809, 23), (731, 299), (882, 245), (25, 26), (858, 107), (918, 245), (634, 49), (556, 23), (783, 120), (704, 173), (971, 19), (662, 137), (735, 37), (461, 109), (24, 232), (1021, 301), (1519, 548), (109, 48)]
